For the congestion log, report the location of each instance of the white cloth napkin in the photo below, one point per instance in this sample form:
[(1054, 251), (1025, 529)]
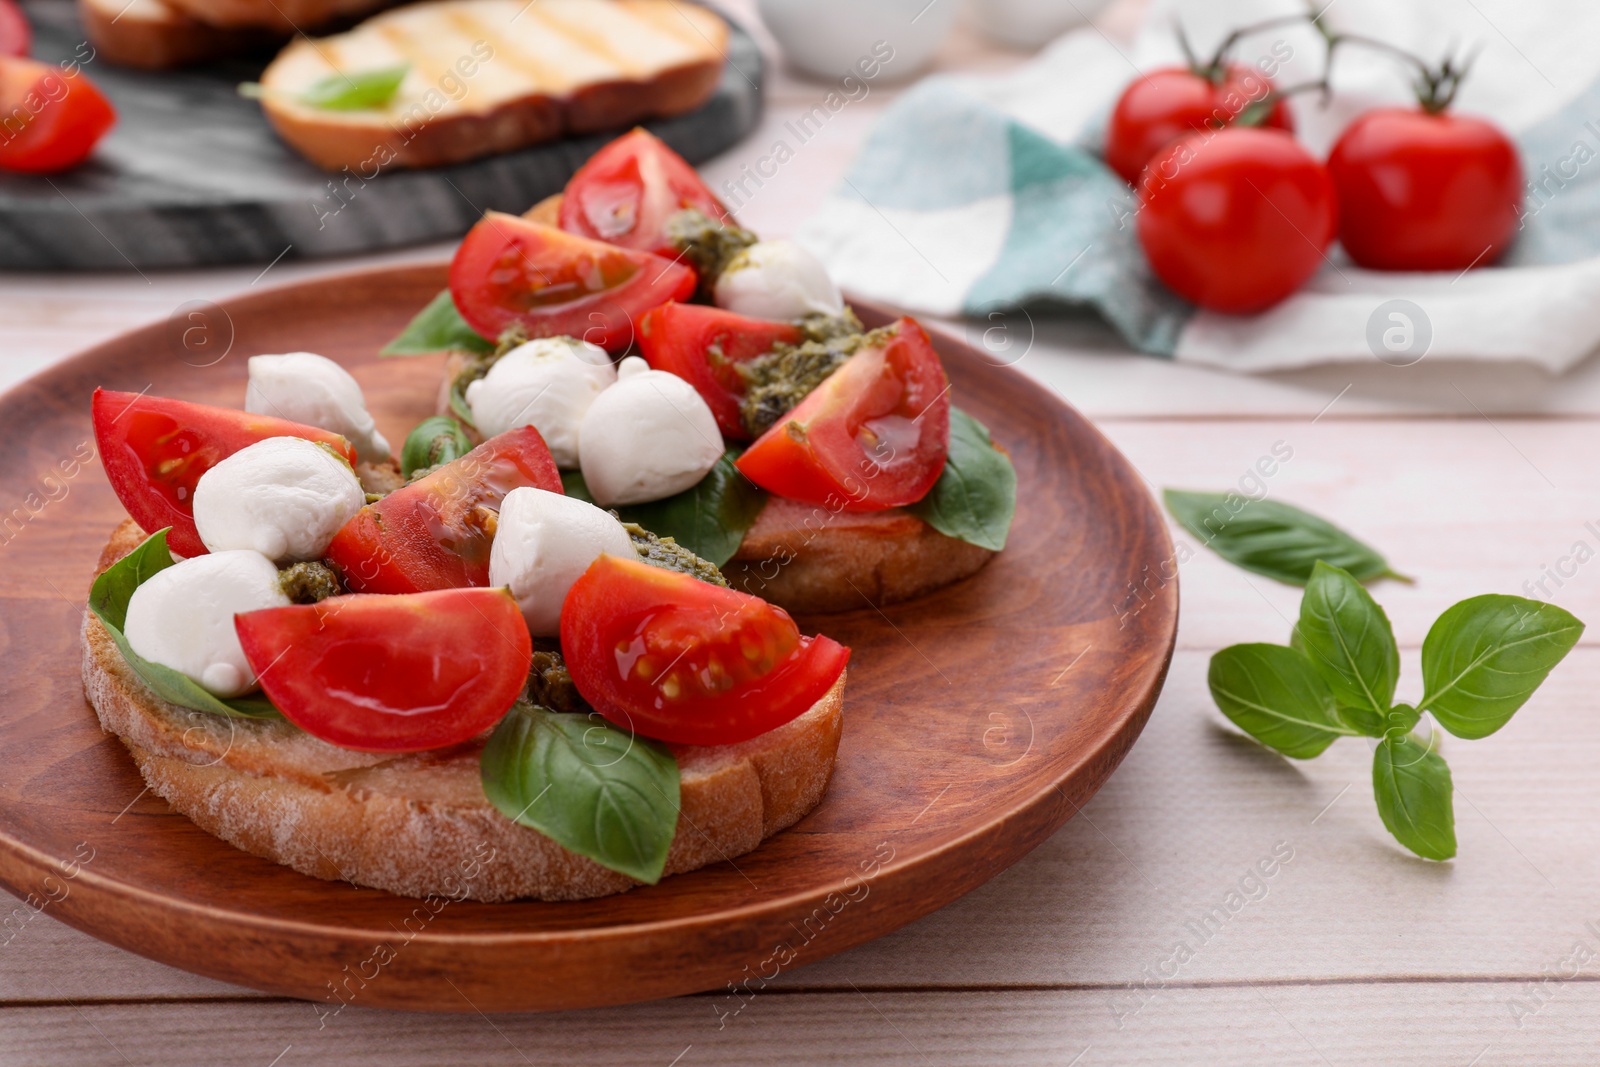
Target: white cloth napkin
[(980, 193)]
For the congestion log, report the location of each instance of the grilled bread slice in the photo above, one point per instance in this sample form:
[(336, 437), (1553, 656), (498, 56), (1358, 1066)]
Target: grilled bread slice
[(412, 824), (490, 76), (285, 17), (154, 35)]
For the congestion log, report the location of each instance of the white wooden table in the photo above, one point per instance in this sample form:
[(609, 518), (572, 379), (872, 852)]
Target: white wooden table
[(1353, 953)]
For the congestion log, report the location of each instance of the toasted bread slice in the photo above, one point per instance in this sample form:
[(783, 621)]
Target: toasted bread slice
[(154, 35), (413, 824), (809, 558), (490, 76), (284, 17)]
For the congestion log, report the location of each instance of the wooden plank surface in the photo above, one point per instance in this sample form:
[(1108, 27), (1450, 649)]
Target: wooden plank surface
[(1473, 479)]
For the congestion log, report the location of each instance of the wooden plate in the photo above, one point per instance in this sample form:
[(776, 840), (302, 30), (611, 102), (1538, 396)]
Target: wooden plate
[(977, 719)]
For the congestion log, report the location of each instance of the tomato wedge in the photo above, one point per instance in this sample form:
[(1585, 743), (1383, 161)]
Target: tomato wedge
[(510, 271), (392, 673), (630, 188), (16, 36), (874, 435), (52, 119), (435, 533), (681, 660), (154, 451), (703, 346)]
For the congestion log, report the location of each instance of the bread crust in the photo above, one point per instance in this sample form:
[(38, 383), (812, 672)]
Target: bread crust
[(419, 825), (154, 36), (368, 142)]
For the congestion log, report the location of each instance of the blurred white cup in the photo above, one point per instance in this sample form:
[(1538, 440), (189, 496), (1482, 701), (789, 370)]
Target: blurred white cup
[(1031, 23), (829, 38)]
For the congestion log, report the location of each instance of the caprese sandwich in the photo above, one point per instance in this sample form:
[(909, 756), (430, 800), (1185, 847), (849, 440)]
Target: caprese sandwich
[(754, 420), (519, 658), (533, 699)]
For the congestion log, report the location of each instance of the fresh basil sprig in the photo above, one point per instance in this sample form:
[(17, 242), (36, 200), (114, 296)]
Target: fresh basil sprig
[(438, 327), (108, 599), (976, 494), (1278, 540), (710, 518), (1481, 661), (593, 789)]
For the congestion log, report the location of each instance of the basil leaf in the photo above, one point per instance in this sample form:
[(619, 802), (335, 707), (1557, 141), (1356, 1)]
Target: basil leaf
[(709, 519), (1411, 783), (108, 599), (1348, 640), (590, 787), (438, 327), (976, 494), (359, 90), (1278, 540), (1484, 657), (433, 441), (1274, 694)]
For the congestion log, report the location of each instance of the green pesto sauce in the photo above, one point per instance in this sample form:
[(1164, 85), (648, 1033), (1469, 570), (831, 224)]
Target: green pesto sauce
[(706, 244), (666, 553), (550, 684), (308, 583), (777, 381)]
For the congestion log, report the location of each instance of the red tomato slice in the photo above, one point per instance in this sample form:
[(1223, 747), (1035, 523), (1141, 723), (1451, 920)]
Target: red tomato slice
[(16, 36), (628, 190), (154, 451), (435, 533), (681, 660), (703, 346), (874, 435), (509, 270), (392, 673), (49, 119)]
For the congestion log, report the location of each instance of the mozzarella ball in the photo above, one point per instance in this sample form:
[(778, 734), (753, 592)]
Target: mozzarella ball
[(543, 543), (284, 497), (647, 437), (182, 617), (305, 387), (777, 280), (548, 384)]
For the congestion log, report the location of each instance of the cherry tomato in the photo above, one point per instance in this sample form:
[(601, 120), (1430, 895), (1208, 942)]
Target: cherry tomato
[(16, 36), (704, 346), (435, 533), (1165, 104), (1237, 219), (628, 190), (392, 673), (509, 270), (874, 435), (681, 660), (1423, 191), (154, 451), (49, 119)]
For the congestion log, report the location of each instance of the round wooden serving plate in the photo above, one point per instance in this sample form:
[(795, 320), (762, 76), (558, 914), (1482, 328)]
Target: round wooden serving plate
[(977, 719)]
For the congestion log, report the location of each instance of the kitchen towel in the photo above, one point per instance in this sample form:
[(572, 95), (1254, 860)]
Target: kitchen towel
[(978, 195)]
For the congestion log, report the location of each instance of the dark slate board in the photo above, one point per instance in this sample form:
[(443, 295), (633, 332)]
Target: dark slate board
[(193, 176)]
